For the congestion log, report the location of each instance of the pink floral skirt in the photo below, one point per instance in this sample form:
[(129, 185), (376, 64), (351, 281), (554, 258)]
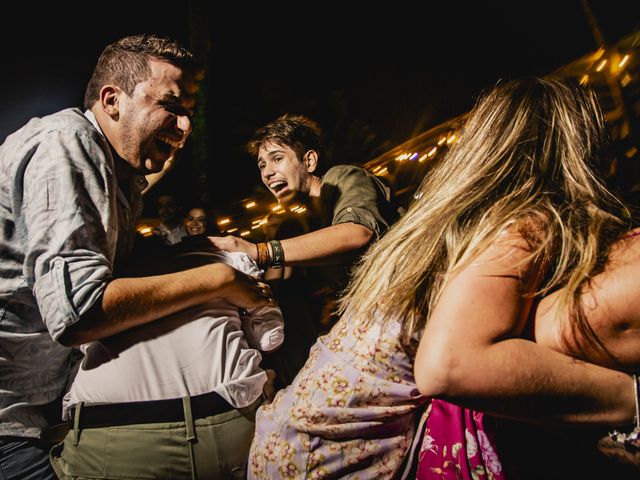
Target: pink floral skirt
[(457, 445)]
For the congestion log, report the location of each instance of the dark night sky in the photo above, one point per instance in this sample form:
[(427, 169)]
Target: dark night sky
[(372, 78)]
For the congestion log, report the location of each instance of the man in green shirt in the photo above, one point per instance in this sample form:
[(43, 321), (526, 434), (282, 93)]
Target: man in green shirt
[(350, 208)]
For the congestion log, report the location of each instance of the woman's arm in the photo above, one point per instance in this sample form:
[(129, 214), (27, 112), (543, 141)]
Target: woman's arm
[(470, 353)]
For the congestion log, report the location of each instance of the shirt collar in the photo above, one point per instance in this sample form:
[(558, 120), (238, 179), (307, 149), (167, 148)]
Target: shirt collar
[(92, 118)]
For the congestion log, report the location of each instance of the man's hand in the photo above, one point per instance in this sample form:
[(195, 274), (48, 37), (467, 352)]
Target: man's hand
[(245, 291), (230, 243)]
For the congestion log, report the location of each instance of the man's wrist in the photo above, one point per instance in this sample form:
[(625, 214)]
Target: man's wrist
[(263, 257), (277, 254)]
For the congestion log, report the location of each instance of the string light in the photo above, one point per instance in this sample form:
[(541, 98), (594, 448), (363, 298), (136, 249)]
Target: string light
[(423, 148)]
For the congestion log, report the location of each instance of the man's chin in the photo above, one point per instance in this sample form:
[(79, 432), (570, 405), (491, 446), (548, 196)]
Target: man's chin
[(283, 198), (151, 166), (290, 197)]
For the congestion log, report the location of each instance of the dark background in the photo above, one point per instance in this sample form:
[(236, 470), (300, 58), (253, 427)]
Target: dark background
[(371, 76)]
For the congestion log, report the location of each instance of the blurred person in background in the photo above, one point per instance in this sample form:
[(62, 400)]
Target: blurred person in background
[(171, 227), (196, 221)]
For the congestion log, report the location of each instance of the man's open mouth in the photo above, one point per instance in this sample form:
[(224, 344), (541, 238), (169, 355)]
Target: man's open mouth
[(277, 186), (167, 144)]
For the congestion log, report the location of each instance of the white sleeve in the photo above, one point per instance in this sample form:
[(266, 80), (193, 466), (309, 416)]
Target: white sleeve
[(263, 328), (243, 262)]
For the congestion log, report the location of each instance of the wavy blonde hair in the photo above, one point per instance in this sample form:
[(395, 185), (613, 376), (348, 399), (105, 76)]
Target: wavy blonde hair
[(530, 149)]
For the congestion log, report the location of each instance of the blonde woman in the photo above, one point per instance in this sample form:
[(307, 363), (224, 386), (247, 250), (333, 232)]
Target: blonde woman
[(529, 218), (513, 212)]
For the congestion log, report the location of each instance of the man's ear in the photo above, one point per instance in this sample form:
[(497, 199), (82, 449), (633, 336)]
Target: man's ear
[(110, 100), (311, 160)]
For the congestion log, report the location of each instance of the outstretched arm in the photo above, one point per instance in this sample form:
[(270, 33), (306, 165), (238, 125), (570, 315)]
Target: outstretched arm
[(325, 246), (129, 302)]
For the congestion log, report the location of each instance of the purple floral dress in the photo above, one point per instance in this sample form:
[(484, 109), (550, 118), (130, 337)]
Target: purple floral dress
[(351, 412), (457, 444)]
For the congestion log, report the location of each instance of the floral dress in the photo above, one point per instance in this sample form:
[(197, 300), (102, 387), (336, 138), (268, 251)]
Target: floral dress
[(351, 412)]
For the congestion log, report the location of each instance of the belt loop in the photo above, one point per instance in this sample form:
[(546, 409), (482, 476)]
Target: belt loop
[(191, 433), (188, 419), (76, 424)]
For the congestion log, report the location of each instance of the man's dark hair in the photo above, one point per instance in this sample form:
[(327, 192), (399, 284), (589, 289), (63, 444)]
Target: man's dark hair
[(294, 131), (125, 63)]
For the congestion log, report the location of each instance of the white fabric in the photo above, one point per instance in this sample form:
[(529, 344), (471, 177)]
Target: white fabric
[(195, 351)]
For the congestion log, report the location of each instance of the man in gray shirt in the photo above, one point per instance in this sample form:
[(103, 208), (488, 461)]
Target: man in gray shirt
[(70, 194)]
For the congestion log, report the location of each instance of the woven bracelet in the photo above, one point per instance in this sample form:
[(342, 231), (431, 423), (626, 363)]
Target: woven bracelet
[(263, 255), (278, 254)]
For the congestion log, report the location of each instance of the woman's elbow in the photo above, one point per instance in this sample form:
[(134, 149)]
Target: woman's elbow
[(434, 375)]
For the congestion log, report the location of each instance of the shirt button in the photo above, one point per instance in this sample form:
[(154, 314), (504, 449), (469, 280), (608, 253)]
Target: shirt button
[(349, 209)]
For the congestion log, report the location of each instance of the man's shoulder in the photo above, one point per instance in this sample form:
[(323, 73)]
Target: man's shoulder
[(347, 188), (353, 177), (340, 170), (67, 118), (341, 174), (70, 119)]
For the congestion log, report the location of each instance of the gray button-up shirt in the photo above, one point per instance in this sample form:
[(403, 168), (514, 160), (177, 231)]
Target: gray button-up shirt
[(64, 222)]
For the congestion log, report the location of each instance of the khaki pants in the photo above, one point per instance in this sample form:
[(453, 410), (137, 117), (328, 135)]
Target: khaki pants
[(217, 448)]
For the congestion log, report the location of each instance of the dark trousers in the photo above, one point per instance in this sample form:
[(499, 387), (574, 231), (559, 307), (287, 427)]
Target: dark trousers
[(25, 459)]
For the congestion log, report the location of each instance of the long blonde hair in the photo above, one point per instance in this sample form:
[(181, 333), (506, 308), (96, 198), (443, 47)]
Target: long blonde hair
[(530, 147)]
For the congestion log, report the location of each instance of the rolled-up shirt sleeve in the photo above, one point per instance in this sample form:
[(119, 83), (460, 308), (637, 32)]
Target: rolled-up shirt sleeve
[(354, 195), (71, 223)]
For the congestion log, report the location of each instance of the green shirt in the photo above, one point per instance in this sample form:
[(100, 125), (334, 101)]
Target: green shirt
[(351, 194)]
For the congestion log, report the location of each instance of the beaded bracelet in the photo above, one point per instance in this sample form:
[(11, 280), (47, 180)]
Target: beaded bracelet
[(277, 261)]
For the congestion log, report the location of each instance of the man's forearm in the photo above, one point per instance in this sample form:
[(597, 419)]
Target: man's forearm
[(130, 302), (326, 246), (321, 247)]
